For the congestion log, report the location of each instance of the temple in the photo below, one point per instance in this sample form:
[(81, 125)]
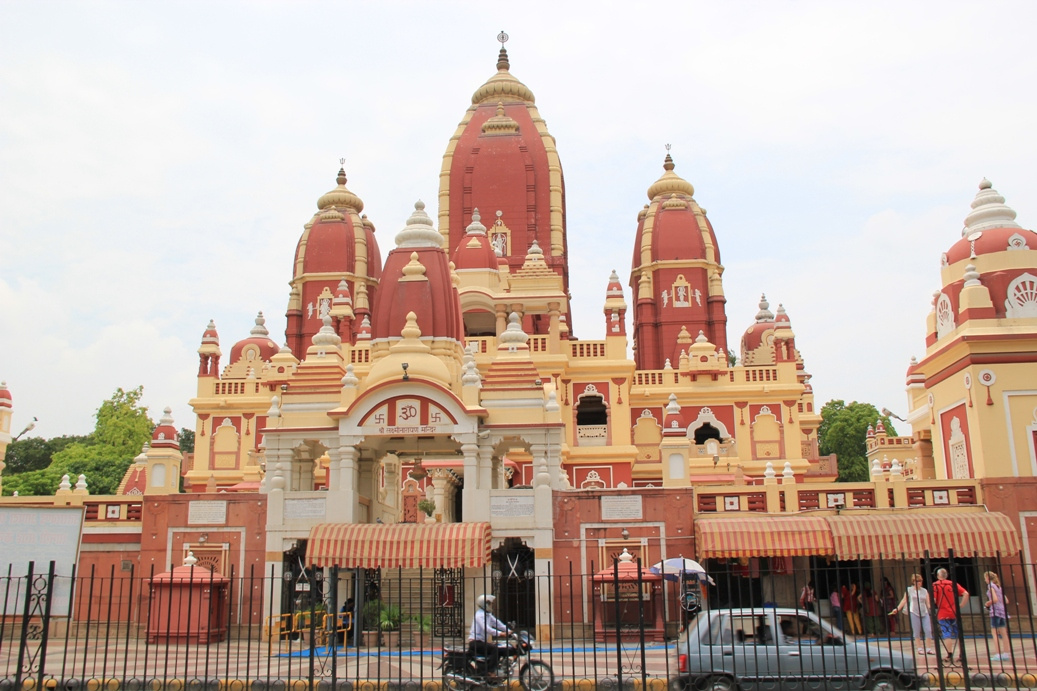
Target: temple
[(449, 375)]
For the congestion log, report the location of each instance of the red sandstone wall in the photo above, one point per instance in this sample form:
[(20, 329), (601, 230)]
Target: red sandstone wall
[(665, 525)]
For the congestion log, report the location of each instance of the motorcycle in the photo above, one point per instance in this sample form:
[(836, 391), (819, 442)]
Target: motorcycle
[(463, 671)]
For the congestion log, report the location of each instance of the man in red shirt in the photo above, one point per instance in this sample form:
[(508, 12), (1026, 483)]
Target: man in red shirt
[(947, 607)]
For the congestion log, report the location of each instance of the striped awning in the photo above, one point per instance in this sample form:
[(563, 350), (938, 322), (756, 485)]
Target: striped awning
[(757, 536), (909, 536), (406, 545)]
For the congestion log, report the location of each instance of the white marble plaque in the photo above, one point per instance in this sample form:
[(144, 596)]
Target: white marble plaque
[(511, 507), (207, 513), (295, 509), (621, 509)]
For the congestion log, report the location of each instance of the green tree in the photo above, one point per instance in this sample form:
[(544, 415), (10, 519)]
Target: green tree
[(122, 423), (843, 431), (186, 438), (121, 430)]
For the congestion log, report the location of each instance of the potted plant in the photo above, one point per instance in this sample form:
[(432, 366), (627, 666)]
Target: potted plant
[(372, 618), (428, 507), (422, 626), (389, 620)]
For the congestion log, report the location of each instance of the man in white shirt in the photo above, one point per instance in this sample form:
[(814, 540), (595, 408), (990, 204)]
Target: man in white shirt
[(484, 627)]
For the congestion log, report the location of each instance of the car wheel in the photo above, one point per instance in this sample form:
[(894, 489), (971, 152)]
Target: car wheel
[(719, 683), (882, 682)]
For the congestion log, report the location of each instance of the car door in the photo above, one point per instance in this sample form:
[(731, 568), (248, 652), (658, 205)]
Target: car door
[(812, 655), (754, 655)]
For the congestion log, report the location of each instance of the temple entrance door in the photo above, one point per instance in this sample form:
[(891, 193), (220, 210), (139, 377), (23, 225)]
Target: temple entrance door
[(514, 583)]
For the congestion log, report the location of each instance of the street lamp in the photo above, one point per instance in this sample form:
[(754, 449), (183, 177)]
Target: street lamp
[(28, 428), (889, 413)]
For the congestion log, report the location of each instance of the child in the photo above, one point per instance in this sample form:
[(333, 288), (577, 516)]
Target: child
[(995, 603)]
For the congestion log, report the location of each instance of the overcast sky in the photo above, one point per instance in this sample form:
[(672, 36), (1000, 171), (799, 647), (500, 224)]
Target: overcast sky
[(158, 161)]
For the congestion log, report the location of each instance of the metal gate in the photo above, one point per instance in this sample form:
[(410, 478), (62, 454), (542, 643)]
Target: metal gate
[(448, 613)]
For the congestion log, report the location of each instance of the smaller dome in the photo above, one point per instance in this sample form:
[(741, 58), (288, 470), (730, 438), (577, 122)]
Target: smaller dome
[(5, 396), (419, 231), (257, 346), (211, 336), (340, 197), (475, 251), (989, 228), (165, 434), (763, 331), (670, 183), (210, 340), (988, 211)]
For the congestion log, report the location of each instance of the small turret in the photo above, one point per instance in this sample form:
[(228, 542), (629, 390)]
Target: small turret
[(209, 352)]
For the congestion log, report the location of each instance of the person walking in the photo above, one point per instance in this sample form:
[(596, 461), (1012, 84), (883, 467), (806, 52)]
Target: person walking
[(916, 602), (995, 604), (947, 608)]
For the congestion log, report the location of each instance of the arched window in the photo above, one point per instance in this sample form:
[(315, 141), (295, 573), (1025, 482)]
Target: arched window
[(591, 411), (706, 432), (591, 420)]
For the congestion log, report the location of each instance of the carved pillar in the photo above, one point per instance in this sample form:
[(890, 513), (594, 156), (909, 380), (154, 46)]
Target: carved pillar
[(486, 460), (502, 318), (343, 499), (554, 343), (333, 468), (366, 485), (543, 514), (301, 475), (473, 497), (389, 492)]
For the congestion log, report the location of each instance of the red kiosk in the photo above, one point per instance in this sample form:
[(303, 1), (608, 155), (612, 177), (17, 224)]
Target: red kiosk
[(188, 604), (638, 597)]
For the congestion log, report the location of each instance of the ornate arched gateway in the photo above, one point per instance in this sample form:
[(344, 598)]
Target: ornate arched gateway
[(417, 438)]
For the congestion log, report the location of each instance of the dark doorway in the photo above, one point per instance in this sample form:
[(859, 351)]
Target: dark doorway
[(514, 584), (706, 431)]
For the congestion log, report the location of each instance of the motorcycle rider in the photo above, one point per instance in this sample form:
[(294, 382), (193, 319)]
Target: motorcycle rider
[(480, 637)]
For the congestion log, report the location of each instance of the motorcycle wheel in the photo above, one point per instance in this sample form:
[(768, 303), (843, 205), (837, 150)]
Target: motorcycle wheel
[(536, 676)]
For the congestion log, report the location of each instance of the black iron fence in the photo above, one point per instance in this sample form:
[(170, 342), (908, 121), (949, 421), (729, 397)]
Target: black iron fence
[(758, 623)]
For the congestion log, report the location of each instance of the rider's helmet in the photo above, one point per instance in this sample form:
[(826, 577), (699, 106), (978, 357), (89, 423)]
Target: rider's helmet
[(484, 601)]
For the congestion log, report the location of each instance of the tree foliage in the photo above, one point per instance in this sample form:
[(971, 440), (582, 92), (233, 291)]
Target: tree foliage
[(35, 453), (843, 431), (121, 430), (186, 439)]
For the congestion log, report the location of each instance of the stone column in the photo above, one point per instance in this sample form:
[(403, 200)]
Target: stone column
[(502, 319), (473, 497), (554, 337), (333, 468)]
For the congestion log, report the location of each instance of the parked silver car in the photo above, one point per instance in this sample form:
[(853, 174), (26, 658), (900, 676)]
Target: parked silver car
[(782, 649)]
